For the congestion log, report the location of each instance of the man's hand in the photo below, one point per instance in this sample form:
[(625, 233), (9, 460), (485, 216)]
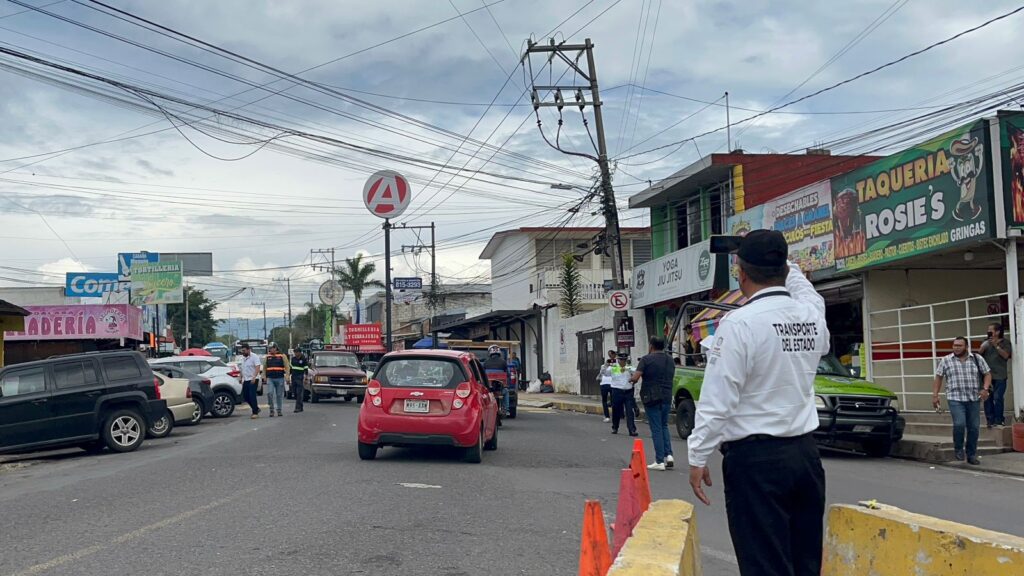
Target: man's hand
[(984, 393), (700, 474), (935, 401)]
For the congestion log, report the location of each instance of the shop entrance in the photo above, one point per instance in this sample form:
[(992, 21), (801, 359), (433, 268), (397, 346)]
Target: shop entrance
[(591, 357)]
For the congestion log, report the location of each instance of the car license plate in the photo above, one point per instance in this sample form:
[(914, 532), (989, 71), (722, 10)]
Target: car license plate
[(422, 406), (863, 428)]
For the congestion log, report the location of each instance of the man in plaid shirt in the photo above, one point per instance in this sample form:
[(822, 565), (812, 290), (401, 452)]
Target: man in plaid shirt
[(968, 381)]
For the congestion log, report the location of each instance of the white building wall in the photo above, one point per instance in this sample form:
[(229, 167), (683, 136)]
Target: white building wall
[(510, 279), (40, 296), (563, 364)]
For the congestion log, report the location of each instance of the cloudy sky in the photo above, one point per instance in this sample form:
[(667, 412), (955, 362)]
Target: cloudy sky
[(89, 169)]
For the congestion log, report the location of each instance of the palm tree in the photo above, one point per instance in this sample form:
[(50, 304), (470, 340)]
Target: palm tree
[(355, 277)]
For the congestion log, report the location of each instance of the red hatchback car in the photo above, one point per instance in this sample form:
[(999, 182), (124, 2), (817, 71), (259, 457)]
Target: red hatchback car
[(429, 398)]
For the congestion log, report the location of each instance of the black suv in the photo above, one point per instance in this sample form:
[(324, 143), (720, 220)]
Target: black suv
[(93, 400)]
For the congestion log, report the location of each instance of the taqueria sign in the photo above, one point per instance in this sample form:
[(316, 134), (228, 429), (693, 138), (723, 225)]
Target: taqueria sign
[(927, 198)]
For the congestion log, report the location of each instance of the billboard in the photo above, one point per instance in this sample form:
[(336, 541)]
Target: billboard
[(681, 273), (92, 284), (126, 259), (1011, 144), (192, 263), (159, 283), (81, 322), (933, 196)]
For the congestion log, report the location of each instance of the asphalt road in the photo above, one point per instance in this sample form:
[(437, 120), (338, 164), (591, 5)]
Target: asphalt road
[(289, 496)]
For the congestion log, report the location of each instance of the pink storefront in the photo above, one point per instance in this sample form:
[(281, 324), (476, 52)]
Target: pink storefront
[(51, 330)]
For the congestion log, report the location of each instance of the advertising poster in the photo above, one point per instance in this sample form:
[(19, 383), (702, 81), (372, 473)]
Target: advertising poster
[(805, 218), (1011, 136), (80, 322), (931, 197), (738, 225), (158, 283)]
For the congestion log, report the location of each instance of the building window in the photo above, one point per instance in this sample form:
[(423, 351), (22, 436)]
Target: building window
[(549, 252), (715, 199), (641, 252)]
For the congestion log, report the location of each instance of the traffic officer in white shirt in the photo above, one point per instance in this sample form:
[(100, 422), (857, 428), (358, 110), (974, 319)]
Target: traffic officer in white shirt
[(757, 405)]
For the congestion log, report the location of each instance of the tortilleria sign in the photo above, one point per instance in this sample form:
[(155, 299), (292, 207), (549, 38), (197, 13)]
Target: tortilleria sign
[(931, 197)]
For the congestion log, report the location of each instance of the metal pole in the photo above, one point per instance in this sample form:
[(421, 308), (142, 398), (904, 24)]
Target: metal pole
[(188, 339), (387, 282), (1012, 296), (265, 321), (433, 286), (728, 126), (611, 214)]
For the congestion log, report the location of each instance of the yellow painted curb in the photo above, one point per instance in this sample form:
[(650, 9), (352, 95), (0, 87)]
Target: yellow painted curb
[(664, 543), (887, 541)]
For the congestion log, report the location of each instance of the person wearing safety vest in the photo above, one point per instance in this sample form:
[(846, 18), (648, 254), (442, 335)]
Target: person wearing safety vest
[(623, 402), (300, 367), (275, 366)]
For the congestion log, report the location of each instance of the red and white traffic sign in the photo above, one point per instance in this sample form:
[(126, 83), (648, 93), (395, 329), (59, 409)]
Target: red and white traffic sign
[(619, 300), (387, 194)]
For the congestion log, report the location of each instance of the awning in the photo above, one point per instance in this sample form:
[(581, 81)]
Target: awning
[(704, 323), (428, 342)]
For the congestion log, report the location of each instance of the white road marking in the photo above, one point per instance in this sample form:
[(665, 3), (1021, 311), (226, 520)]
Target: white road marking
[(416, 485), (127, 537)]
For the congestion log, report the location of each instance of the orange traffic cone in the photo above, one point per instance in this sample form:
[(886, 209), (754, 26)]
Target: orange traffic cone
[(595, 559), (638, 466), (628, 512)]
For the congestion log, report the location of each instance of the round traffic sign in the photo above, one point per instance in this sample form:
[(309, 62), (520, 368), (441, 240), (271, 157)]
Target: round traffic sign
[(387, 194), (618, 300), (331, 293)]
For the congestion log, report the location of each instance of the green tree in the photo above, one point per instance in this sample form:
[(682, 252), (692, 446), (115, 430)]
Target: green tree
[(355, 277), (306, 325), (200, 319), (571, 287)]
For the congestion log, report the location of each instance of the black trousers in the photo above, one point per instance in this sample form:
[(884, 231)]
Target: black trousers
[(623, 404), (249, 395), (606, 394), (775, 502), (299, 392)]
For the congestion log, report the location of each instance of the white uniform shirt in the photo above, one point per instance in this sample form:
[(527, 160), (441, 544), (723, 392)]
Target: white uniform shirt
[(620, 377), (250, 367), (605, 375), (761, 368)]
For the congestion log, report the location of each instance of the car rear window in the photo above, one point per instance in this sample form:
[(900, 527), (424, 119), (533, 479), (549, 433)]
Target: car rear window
[(121, 368), (335, 360), (420, 373)]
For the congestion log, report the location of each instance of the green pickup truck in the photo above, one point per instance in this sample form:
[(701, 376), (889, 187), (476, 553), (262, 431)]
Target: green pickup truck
[(851, 412)]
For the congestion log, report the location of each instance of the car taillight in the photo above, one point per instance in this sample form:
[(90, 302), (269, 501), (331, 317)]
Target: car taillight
[(373, 389), (207, 381), (156, 385), (457, 404), (233, 373), (377, 401), (188, 392), (463, 390)]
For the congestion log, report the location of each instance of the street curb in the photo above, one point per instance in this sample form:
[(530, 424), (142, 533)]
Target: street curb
[(982, 468), (534, 404), (596, 410)]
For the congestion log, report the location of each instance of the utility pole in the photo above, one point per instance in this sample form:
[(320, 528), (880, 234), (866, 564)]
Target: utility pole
[(728, 127), (334, 278), (188, 335), (433, 297), (264, 304), (570, 54), (288, 283), (387, 284)]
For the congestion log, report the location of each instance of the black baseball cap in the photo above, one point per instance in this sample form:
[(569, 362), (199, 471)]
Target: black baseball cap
[(766, 248)]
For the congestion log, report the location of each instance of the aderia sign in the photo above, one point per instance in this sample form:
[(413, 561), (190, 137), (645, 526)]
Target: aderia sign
[(930, 197), (85, 322)]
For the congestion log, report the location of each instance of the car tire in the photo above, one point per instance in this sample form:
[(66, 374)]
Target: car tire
[(314, 398), (198, 410), (223, 404), (347, 398), (878, 448), (124, 430), (475, 453), (367, 451), (513, 407), (161, 427), (359, 399), (492, 444), (686, 412)]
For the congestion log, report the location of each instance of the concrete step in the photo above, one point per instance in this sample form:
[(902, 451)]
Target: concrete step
[(938, 448), (997, 436)]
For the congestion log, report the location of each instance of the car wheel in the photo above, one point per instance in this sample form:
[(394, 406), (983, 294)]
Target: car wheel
[(492, 444), (686, 411), (513, 407), (475, 453), (348, 398), (223, 404), (367, 451), (314, 398), (162, 427), (359, 399), (197, 412), (878, 448), (124, 430)]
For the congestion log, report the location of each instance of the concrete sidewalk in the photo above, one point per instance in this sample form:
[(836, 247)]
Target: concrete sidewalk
[(1010, 463)]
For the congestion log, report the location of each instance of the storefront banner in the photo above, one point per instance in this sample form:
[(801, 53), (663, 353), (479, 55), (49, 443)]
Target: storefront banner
[(1011, 142), (362, 334), (675, 275), (931, 197), (81, 322), (159, 283)]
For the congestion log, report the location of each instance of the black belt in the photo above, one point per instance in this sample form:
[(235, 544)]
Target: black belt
[(726, 446)]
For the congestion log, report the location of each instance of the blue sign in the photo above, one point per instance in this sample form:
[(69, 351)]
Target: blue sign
[(408, 283), (126, 259), (92, 284)]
